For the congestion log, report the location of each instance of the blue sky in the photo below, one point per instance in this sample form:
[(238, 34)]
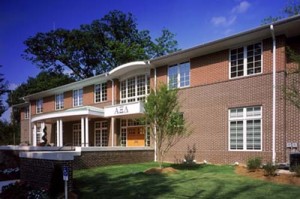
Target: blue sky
[(193, 21)]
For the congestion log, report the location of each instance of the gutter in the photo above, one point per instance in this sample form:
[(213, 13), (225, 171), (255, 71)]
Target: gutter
[(274, 96)]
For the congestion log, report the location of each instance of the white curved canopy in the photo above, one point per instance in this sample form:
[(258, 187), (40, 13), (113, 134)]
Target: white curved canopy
[(129, 67)]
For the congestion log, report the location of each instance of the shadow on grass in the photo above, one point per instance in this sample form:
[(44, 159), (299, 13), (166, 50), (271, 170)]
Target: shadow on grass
[(134, 185), (197, 181)]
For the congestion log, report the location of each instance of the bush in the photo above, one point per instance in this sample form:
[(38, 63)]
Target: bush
[(23, 190), (296, 169), (269, 169), (254, 163)]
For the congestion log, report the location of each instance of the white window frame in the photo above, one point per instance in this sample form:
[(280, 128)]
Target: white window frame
[(244, 118), (39, 106), (59, 101), (102, 129), (26, 112), (78, 97), (178, 74), (245, 62), (135, 97), (100, 95), (78, 136)]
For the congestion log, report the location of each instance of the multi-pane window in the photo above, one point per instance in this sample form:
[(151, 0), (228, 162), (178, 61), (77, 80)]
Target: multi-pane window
[(77, 134), (179, 75), (245, 131), (101, 133), (135, 89), (39, 106), (26, 112), (77, 97), (59, 101), (246, 60), (100, 92)]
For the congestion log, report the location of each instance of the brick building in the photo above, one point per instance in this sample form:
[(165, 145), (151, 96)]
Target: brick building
[(230, 89)]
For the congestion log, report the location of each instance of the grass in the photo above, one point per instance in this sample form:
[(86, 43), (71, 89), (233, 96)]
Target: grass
[(207, 181)]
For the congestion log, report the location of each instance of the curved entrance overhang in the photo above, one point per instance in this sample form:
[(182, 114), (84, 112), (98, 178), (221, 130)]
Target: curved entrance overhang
[(127, 68)]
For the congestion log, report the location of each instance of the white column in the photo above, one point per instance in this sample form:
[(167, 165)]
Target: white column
[(42, 129), (57, 133), (60, 133), (34, 135), (86, 131), (112, 130), (82, 132)]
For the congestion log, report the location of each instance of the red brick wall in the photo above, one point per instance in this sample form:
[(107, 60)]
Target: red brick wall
[(38, 172), (68, 99), (102, 158), (48, 104), (206, 110)]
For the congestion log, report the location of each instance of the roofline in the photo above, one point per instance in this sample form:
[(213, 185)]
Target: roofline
[(66, 87), (266, 26)]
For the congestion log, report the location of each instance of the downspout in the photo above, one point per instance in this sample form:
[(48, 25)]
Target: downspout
[(274, 97)]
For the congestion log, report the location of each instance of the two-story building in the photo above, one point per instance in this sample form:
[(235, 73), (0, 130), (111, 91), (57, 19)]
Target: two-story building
[(230, 91)]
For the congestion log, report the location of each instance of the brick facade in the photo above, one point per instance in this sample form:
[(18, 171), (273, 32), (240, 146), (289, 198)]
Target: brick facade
[(205, 102), (89, 159)]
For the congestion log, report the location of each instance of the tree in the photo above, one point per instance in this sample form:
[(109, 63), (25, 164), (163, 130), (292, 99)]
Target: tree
[(292, 88), (43, 81), (292, 8), (3, 90), (97, 47), (166, 121)]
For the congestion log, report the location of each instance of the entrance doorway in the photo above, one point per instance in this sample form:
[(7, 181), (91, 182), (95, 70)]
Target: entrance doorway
[(136, 136)]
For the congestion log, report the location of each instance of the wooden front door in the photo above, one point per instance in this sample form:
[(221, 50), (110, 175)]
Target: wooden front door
[(136, 136)]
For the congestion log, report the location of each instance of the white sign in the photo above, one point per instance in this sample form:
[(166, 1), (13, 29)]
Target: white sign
[(121, 110), (124, 109)]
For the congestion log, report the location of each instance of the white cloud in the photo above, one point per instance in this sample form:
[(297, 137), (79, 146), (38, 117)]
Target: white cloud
[(223, 21), (12, 86), (241, 8)]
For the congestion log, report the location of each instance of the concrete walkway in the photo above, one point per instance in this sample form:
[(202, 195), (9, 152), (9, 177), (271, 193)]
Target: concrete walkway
[(3, 183)]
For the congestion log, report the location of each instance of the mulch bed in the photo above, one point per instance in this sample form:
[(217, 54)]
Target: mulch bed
[(259, 174)]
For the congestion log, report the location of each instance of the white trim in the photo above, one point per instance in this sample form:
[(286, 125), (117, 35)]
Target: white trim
[(128, 67), (77, 111), (245, 63), (244, 119), (82, 132), (59, 103), (86, 132), (273, 97), (34, 135), (78, 98), (60, 132)]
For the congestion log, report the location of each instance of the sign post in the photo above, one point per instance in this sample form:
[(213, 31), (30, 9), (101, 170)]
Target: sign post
[(66, 178)]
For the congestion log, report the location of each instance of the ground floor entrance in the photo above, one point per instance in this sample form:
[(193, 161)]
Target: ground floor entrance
[(136, 136)]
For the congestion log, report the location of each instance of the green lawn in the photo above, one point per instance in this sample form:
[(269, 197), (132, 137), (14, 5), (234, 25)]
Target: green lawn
[(208, 181)]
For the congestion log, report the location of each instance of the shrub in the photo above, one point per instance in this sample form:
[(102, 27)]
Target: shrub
[(269, 169), (296, 169), (23, 190), (254, 163)]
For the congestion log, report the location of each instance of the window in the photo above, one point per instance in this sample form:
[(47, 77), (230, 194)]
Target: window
[(246, 60), (39, 106), (245, 131), (26, 112), (101, 133), (135, 89), (100, 92), (179, 75), (77, 134), (77, 97), (59, 101)]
